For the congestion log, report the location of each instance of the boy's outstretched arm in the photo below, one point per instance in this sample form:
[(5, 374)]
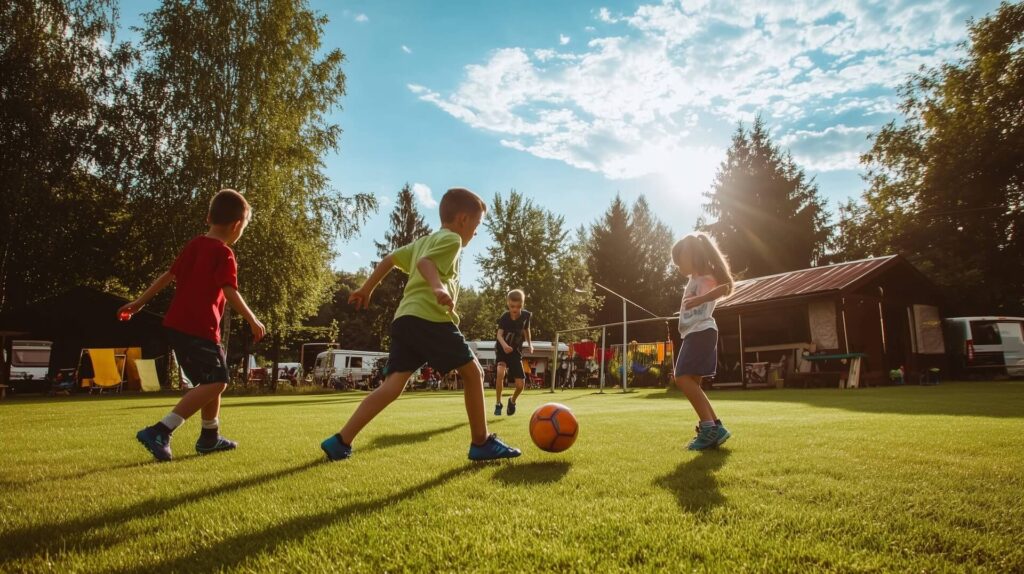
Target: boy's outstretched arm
[(529, 339), (428, 269), (238, 304), (361, 297), (158, 285)]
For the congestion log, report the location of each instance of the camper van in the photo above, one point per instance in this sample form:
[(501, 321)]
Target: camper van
[(992, 345), (30, 360), (343, 364)]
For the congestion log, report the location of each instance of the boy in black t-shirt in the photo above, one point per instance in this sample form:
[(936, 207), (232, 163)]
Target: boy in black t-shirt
[(513, 331)]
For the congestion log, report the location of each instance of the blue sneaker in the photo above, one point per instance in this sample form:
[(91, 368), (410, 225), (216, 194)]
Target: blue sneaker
[(707, 437), (157, 443), (335, 449), (492, 449), (723, 433), (220, 444), (497, 409), (511, 408)]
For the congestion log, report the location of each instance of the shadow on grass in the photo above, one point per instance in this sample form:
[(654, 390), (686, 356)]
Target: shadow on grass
[(982, 399), (78, 533), (576, 396), (228, 403), (388, 440), (231, 553), (694, 484), (82, 474), (532, 473)]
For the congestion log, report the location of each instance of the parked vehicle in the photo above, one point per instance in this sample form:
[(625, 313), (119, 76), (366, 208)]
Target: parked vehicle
[(344, 368), (986, 345), (30, 360)]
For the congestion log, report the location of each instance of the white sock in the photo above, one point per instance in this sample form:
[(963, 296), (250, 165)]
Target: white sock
[(215, 423), (172, 421)]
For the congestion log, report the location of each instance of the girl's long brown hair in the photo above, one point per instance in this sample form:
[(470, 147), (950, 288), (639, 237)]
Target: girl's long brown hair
[(707, 258)]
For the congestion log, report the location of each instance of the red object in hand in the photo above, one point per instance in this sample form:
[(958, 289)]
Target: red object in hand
[(124, 316)]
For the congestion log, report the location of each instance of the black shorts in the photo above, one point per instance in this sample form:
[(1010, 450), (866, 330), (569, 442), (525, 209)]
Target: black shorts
[(416, 342), (202, 360), (513, 364)]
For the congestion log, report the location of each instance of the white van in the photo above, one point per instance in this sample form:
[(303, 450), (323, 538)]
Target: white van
[(343, 364), (30, 360), (986, 344)]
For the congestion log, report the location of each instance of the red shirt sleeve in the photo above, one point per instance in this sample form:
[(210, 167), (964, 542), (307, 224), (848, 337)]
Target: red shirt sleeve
[(227, 271)]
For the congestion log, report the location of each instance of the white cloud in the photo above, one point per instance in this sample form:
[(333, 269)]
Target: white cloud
[(651, 94), (833, 148), (362, 18), (406, 49), (563, 39), (357, 255), (424, 195)]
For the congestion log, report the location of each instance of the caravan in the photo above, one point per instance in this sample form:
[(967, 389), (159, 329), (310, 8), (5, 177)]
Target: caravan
[(30, 360), (992, 345), (343, 367)]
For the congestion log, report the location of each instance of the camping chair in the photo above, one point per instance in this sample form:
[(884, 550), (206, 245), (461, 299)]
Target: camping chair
[(148, 379), (107, 368)]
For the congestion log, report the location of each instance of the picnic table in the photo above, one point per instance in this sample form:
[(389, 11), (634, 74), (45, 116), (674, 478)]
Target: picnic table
[(852, 372)]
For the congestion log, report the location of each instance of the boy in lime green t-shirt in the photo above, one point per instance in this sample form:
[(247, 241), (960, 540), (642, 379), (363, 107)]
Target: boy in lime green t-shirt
[(425, 329)]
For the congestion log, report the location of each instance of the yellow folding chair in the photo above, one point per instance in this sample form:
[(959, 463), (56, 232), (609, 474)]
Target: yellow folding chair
[(107, 369)]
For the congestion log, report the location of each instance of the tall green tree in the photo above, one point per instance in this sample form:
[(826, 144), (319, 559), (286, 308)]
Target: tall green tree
[(628, 251), (534, 251), (62, 89), (946, 185), (767, 216), (611, 259), (407, 225), (478, 314), (236, 93), (656, 285)]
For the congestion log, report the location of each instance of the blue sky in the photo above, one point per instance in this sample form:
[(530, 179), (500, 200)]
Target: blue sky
[(573, 102)]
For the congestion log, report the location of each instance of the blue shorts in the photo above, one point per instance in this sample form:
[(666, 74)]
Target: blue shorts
[(416, 342), (698, 354)]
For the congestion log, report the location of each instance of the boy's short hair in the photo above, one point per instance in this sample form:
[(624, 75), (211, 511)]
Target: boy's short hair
[(517, 295), (228, 206), (460, 200)]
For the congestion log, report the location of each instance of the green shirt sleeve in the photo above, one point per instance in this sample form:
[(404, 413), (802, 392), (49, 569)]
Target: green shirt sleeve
[(403, 257), (444, 253)]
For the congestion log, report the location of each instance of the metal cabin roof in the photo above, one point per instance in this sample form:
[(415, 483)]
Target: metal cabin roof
[(813, 281)]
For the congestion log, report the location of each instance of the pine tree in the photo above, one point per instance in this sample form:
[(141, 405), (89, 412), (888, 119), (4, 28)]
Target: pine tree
[(768, 217)]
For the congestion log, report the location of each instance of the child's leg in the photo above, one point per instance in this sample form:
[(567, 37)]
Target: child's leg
[(690, 385), (499, 382), (198, 398), (520, 385), (472, 379), (373, 404)]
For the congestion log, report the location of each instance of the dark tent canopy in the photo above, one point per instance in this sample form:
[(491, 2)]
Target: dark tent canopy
[(84, 317)]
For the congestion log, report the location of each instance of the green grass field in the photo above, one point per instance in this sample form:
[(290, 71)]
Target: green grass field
[(924, 479)]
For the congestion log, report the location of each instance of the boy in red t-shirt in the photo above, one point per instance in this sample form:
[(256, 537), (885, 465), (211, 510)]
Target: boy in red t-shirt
[(206, 275)]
